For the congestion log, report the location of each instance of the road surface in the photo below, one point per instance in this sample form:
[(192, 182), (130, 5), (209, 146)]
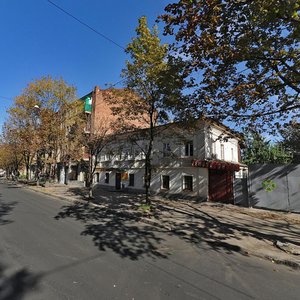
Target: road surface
[(53, 249)]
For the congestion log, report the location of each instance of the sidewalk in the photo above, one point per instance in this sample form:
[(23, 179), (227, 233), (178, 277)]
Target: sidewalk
[(270, 235)]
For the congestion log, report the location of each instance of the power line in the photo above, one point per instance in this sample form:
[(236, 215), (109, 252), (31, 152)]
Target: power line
[(114, 84), (86, 25), (94, 30)]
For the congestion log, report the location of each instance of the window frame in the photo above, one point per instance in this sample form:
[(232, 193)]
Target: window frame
[(188, 185), (106, 179), (131, 179), (222, 152), (165, 186), (166, 150), (189, 148)]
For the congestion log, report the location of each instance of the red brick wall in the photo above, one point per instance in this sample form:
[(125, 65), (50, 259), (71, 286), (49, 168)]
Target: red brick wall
[(102, 114)]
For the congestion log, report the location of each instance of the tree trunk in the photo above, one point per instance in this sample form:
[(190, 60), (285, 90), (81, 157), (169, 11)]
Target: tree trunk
[(66, 170), (148, 163), (89, 176), (27, 172), (148, 180)]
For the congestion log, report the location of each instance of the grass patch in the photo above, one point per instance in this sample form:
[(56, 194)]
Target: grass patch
[(146, 208)]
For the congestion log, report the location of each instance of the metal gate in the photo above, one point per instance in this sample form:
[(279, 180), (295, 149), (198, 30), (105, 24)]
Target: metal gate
[(220, 186), (275, 186)]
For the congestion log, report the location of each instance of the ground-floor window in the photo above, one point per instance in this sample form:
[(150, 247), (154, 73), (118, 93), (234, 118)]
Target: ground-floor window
[(187, 183), (97, 175), (165, 182), (106, 178), (131, 179)]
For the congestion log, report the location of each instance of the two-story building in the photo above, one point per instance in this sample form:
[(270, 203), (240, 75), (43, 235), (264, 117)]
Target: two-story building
[(194, 162)]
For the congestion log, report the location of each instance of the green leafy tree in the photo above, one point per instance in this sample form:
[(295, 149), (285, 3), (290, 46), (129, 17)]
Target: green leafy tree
[(153, 83), (243, 57), (291, 140), (260, 151)]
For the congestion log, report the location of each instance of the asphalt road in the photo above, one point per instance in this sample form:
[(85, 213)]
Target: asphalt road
[(51, 249)]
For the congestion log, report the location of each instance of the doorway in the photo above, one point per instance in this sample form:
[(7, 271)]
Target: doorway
[(220, 186), (118, 181)]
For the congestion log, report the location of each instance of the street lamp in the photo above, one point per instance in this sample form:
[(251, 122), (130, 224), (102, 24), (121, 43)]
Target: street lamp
[(37, 112)]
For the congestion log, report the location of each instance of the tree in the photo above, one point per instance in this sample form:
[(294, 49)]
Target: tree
[(42, 117), (260, 151), (291, 140), (243, 57), (94, 142), (21, 129), (153, 83), (10, 159)]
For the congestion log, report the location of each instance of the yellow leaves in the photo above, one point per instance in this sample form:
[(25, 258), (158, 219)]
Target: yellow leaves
[(44, 128)]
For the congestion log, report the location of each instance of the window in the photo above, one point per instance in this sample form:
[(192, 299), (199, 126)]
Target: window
[(97, 175), (120, 154), (165, 182), (106, 178), (187, 183), (222, 152), (131, 179), (189, 149), (130, 154), (214, 148), (232, 154), (166, 149), (108, 155)]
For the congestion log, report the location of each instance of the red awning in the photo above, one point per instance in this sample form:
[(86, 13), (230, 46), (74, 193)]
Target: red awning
[(216, 165)]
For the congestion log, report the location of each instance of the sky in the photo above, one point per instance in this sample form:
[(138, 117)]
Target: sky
[(38, 39)]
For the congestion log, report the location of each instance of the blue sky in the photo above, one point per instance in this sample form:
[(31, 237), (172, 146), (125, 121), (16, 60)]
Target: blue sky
[(40, 40)]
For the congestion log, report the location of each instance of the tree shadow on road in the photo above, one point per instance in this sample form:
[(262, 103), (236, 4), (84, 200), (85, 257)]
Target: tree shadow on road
[(117, 226), (14, 286), (5, 210), (115, 229)]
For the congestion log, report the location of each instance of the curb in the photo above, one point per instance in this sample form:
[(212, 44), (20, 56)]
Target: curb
[(293, 264), (68, 199), (280, 261)]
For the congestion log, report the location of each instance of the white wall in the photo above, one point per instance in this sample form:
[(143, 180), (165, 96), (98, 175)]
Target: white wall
[(200, 181), (214, 142), (176, 165)]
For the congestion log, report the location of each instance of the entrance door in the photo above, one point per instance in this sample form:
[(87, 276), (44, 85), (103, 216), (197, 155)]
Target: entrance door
[(97, 177), (220, 186), (118, 181)]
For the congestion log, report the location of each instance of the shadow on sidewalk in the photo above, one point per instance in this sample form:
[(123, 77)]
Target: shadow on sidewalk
[(199, 228), (219, 230), (117, 229)]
